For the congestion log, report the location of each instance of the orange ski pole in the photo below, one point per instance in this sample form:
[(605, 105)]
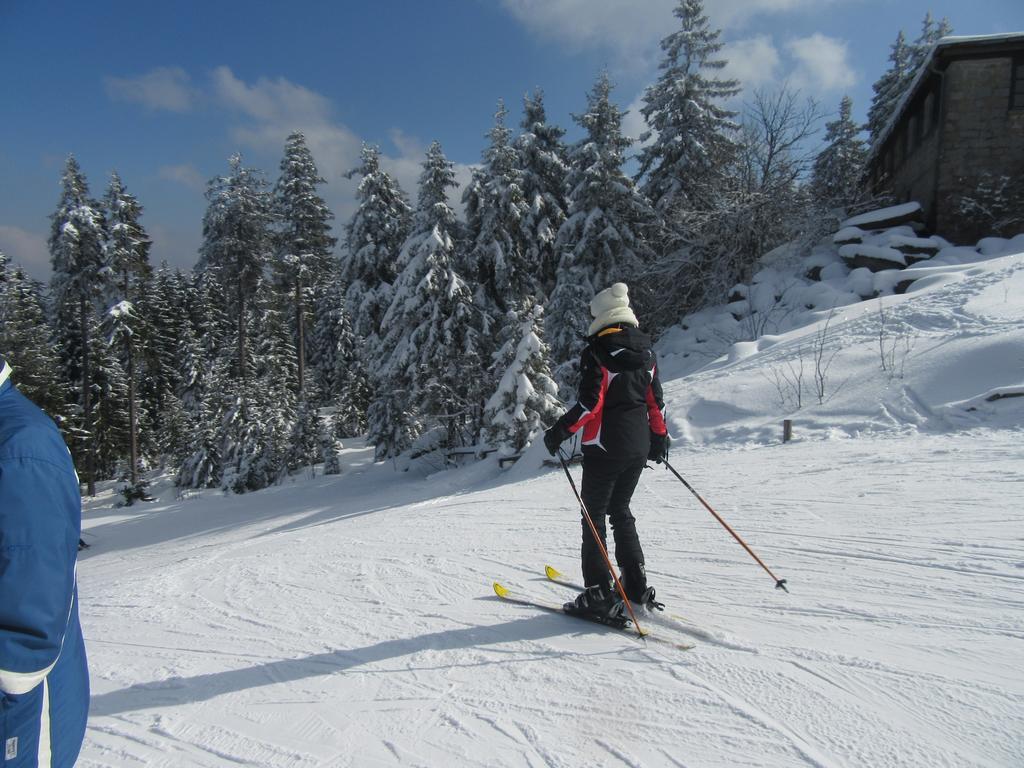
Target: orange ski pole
[(779, 583)]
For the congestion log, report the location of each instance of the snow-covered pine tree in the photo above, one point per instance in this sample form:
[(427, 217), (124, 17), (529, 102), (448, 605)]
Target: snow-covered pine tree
[(350, 416), (203, 465), (254, 422), (888, 88), (495, 259), (163, 305), (329, 449), (569, 310), (604, 239), (303, 260), (109, 425), (836, 180), (236, 245), (525, 401), (128, 258), (25, 341), (605, 232), (78, 283), (119, 330), (256, 436), (392, 422), (128, 243), (192, 369), (304, 445), (177, 429), (341, 375), (208, 312), (375, 236), (543, 170), (247, 441), (332, 322), (432, 344), (259, 454), (694, 134), (931, 32), (205, 386)]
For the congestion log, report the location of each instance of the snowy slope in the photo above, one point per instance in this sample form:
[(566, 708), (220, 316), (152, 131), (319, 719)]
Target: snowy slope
[(349, 620)]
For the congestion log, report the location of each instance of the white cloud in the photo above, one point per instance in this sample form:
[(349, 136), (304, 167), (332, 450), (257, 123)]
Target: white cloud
[(634, 124), (27, 250), (268, 99), (407, 165), (176, 245), (185, 174), (754, 62), (274, 108), (165, 88), (613, 24), (633, 30), (822, 64), (735, 14)]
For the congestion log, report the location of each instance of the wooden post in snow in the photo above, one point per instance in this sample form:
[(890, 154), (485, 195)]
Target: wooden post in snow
[(787, 430)]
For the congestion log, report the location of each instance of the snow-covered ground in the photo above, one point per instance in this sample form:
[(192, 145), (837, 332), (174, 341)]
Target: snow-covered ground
[(349, 620)]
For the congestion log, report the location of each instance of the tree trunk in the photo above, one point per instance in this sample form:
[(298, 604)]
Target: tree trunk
[(241, 333), (133, 422), (301, 331), (133, 419), (90, 437)]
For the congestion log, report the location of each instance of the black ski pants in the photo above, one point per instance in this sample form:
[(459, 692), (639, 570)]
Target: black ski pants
[(607, 489)]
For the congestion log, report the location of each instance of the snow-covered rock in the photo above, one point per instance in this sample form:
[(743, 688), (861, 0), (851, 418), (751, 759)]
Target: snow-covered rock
[(873, 257), (893, 216)]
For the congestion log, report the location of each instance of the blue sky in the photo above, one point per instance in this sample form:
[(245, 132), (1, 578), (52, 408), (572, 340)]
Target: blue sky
[(165, 92)]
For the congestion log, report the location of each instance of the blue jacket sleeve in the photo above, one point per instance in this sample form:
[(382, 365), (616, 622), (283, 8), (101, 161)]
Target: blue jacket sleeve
[(40, 521)]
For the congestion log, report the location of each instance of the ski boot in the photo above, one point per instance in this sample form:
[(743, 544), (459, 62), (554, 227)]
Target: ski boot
[(599, 603), (647, 601), (634, 581)]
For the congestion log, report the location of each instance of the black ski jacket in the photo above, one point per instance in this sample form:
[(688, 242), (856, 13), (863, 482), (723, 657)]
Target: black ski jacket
[(620, 401)]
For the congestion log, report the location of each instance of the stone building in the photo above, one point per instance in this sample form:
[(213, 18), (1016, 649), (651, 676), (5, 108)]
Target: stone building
[(955, 143)]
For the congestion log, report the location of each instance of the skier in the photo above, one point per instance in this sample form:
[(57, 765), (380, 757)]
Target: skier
[(44, 680), (621, 413)]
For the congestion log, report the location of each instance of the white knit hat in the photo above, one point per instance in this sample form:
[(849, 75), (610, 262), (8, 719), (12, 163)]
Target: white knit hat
[(610, 307)]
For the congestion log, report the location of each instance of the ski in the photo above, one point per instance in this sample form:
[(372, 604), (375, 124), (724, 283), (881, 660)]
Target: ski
[(668, 619), (558, 577), (507, 596)]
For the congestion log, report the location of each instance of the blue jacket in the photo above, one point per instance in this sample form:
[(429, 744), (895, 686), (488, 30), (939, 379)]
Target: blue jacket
[(44, 681)]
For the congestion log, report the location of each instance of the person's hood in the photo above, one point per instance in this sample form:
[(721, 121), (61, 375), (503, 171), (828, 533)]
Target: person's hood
[(625, 349)]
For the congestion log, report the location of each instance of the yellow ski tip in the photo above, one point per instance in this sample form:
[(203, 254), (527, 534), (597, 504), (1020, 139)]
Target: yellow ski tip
[(499, 590), (552, 573)]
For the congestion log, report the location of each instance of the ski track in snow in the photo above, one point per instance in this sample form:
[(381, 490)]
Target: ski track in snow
[(373, 640), (349, 620)]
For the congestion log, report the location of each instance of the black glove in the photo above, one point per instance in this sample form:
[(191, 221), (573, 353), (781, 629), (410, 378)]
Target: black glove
[(659, 447), (554, 437)]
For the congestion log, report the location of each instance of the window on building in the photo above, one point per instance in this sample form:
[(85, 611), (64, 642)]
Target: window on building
[(1017, 84), (936, 106)]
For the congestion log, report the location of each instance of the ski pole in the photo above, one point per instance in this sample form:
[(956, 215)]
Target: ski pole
[(600, 545), (779, 583)]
